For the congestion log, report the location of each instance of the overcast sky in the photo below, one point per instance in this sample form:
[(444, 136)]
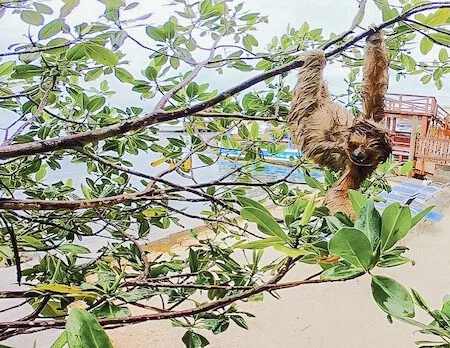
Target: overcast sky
[(331, 15)]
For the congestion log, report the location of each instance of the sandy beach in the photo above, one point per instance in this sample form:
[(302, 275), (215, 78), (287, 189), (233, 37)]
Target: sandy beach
[(325, 315)]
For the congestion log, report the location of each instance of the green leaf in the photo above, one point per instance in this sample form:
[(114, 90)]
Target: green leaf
[(242, 66), (41, 8), (86, 191), (261, 244), (408, 62), (425, 79), (194, 340), (151, 73), (69, 5), (137, 294), (100, 54), (254, 130), (76, 52), (334, 224), (32, 17), (388, 13), (82, 101), (247, 202), (392, 260), (83, 330), (192, 90), (313, 182), (392, 297), (425, 45), (156, 33), (123, 75), (395, 224), (441, 38), (263, 65), (291, 252), (193, 260), (95, 103), (309, 210), (93, 74), (110, 310), (205, 159), (177, 142), (353, 246), (406, 168), (41, 173), (255, 212), (249, 41), (443, 55), (174, 62), (420, 301), (417, 218), (239, 321), (32, 241), (169, 29), (341, 272), (369, 221), (446, 307), (50, 29), (437, 18), (7, 68), (205, 7), (74, 249), (6, 252), (265, 222), (357, 199)]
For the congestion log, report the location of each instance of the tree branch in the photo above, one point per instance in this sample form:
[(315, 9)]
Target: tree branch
[(40, 49), (271, 285)]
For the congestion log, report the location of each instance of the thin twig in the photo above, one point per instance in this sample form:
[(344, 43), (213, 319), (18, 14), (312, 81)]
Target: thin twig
[(15, 248)]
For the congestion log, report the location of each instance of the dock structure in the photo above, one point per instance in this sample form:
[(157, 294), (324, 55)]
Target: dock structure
[(420, 130)]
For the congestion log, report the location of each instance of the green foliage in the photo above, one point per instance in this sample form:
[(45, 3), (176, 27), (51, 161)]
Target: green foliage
[(392, 297), (353, 246), (64, 77), (83, 330)]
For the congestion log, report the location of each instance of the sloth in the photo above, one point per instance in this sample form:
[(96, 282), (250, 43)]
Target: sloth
[(329, 135)]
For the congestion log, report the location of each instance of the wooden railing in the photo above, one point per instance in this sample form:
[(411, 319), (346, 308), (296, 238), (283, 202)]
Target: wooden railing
[(415, 105), (432, 149), (410, 104)]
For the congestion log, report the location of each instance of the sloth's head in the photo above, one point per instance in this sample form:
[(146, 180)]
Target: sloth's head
[(367, 144)]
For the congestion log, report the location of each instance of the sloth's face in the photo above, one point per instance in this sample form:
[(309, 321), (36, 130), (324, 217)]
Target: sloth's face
[(367, 145)]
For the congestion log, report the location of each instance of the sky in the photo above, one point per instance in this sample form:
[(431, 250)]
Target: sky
[(331, 15)]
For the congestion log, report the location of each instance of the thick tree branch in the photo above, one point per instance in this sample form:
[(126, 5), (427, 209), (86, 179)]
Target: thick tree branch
[(271, 285), (155, 117)]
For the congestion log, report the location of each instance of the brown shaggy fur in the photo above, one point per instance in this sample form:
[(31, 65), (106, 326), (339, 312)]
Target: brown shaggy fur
[(327, 134), (375, 77)]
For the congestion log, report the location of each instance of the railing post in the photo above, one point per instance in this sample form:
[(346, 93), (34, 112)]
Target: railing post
[(412, 143)]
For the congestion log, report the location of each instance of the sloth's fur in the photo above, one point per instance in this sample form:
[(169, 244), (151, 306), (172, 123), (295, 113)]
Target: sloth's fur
[(329, 135)]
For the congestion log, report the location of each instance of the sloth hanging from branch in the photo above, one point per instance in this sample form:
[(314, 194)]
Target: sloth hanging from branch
[(329, 135)]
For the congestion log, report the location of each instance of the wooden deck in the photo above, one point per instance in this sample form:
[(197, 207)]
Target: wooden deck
[(428, 140)]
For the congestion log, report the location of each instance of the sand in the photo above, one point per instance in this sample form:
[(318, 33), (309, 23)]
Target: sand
[(325, 315)]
